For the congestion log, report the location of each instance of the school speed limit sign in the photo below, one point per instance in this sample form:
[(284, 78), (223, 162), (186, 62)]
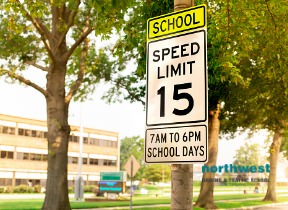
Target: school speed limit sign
[(177, 79), (176, 90)]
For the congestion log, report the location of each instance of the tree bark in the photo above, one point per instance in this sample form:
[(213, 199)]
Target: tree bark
[(274, 154), (205, 198), (183, 4), (182, 175), (182, 186), (58, 137), (57, 123)]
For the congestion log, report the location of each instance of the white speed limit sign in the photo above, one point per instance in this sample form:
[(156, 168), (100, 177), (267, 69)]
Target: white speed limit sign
[(177, 80)]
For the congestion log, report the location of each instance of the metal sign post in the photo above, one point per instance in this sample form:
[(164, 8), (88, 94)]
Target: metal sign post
[(131, 185), (131, 167)]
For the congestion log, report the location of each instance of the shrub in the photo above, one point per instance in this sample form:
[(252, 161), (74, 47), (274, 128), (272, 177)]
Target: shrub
[(37, 188), (2, 189), (23, 189), (89, 188), (9, 189), (71, 189)]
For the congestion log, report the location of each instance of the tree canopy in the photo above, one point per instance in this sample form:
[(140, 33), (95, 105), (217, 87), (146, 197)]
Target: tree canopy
[(29, 33)]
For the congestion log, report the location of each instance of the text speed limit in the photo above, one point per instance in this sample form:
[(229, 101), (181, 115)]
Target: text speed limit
[(176, 80)]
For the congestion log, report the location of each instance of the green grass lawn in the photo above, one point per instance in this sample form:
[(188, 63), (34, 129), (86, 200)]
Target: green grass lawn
[(222, 201), (233, 200)]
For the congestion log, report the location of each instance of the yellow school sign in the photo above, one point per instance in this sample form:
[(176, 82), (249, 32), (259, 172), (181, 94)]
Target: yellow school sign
[(177, 22)]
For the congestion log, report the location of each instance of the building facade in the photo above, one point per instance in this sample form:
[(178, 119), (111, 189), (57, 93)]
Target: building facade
[(23, 152)]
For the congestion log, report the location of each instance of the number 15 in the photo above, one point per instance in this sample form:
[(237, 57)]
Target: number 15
[(177, 96)]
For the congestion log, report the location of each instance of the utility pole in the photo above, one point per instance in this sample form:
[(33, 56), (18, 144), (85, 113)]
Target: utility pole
[(182, 174)]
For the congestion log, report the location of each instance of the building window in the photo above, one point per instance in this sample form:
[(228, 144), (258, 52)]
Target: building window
[(112, 144), (36, 157), (37, 134), (73, 138), (85, 140), (26, 156), (21, 131), (31, 156), (5, 182), (109, 162), (7, 155), (94, 141), (74, 160), (27, 132), (7, 130), (103, 143), (44, 157), (93, 161), (115, 144)]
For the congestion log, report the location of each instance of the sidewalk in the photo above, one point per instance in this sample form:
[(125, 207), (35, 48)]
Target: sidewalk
[(278, 206)]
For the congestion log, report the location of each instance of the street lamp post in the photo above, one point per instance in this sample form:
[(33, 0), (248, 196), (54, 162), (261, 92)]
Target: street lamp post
[(79, 182)]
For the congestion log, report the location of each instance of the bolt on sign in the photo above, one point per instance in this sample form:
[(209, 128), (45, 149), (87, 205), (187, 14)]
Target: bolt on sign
[(176, 93)]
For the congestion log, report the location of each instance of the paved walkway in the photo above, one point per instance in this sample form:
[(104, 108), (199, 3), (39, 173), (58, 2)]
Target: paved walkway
[(273, 206)]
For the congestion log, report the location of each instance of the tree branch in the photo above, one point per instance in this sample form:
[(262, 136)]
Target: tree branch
[(75, 86), (229, 18), (40, 27), (130, 92), (22, 79), (36, 65), (70, 21), (83, 36), (271, 15)]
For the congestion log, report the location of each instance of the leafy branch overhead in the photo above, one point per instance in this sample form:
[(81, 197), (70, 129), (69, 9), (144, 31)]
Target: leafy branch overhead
[(30, 38)]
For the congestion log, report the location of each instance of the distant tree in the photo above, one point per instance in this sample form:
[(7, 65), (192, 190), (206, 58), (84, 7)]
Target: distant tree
[(157, 173), (258, 30), (249, 154), (132, 146)]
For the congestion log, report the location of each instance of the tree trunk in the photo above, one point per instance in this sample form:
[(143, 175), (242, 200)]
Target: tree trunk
[(274, 153), (182, 186), (182, 175), (183, 4), (58, 136), (205, 198)]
